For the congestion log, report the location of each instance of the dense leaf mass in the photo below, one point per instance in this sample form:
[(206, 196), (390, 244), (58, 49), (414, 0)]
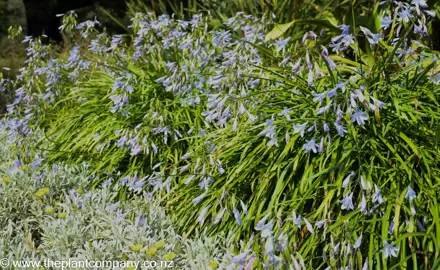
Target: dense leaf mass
[(319, 152)]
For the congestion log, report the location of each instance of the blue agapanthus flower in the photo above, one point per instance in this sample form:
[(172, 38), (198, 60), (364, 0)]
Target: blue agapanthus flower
[(310, 145), (386, 22), (389, 250), (359, 116), (347, 202)]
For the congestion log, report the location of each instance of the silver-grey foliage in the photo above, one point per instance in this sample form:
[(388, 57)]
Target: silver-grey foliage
[(45, 214)]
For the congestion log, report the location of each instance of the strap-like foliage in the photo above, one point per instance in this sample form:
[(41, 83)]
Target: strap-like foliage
[(325, 146)]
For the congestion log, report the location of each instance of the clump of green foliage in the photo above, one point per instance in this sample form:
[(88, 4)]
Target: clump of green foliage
[(324, 145)]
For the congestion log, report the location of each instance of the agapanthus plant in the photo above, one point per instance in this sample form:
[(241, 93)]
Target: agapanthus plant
[(310, 144)]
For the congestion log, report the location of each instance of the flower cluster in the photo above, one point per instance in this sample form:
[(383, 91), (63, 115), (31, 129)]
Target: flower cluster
[(235, 130)]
